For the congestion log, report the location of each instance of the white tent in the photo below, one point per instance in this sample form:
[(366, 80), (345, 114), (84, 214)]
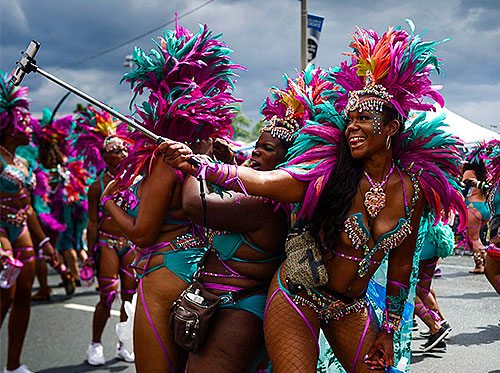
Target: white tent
[(470, 133)]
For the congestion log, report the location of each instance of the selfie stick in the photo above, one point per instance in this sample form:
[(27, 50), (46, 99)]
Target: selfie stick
[(27, 64)]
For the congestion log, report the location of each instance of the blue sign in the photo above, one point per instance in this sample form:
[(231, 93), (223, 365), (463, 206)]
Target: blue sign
[(315, 22)]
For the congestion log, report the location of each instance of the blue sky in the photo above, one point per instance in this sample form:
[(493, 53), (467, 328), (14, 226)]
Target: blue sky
[(264, 35)]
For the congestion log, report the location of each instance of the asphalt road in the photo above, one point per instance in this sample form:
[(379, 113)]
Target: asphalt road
[(60, 331), (472, 308)]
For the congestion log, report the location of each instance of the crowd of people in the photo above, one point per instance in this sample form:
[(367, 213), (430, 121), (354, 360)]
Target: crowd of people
[(331, 230)]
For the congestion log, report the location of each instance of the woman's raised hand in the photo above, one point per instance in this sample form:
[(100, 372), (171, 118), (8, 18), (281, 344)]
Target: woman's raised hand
[(109, 189), (177, 155)]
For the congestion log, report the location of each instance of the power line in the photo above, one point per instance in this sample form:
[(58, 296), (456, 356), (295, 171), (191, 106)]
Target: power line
[(122, 44)]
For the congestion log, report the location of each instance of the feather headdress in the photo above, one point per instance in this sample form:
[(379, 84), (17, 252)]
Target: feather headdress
[(14, 105), (98, 130), (425, 150), (289, 109), (392, 69), (75, 183), (189, 79), (51, 130)]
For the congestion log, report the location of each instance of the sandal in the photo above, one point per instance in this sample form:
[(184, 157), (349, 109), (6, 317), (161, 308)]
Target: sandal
[(69, 283), (479, 262)]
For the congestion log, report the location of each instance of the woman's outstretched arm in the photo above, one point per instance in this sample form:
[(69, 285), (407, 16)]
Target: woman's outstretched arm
[(278, 185), (232, 211)]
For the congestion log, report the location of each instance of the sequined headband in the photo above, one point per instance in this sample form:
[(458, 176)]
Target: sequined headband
[(371, 97), (283, 129), (113, 142)]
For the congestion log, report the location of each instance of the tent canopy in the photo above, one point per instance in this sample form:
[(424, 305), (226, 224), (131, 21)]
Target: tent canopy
[(469, 132)]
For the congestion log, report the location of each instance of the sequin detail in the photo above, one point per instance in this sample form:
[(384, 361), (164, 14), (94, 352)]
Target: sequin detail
[(327, 307), (359, 236)]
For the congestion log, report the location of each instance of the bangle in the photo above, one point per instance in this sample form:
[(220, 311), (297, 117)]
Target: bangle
[(390, 322), (106, 199), (43, 242)]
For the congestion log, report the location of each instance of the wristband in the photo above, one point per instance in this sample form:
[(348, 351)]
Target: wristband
[(106, 199), (43, 242)]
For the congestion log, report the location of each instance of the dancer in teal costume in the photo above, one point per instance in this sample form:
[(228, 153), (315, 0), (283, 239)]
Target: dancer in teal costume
[(247, 246), (20, 231), (189, 80)]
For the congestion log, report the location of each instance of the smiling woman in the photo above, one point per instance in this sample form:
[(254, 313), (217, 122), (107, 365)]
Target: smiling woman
[(248, 237), (344, 175)]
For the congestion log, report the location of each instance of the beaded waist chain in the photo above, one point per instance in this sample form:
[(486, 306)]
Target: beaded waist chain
[(327, 306), (118, 242), (14, 217)]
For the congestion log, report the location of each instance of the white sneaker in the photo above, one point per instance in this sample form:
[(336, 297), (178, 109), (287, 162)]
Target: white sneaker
[(20, 369), (95, 354), (123, 354)]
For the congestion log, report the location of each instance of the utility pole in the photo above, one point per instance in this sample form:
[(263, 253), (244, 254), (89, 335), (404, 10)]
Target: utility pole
[(303, 34)]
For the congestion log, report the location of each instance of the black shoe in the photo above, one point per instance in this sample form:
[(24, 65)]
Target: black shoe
[(440, 345), (434, 339), (78, 283), (445, 324), (425, 333)]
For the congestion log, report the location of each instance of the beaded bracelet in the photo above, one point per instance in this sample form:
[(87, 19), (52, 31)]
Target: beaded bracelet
[(390, 322), (106, 199)]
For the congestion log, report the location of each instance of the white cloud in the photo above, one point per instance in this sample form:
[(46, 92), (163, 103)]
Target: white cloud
[(15, 13)]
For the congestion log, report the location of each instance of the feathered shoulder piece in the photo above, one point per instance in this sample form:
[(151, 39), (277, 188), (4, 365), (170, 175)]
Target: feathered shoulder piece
[(313, 155), (311, 159), (433, 156), (51, 130), (493, 161), (289, 109), (392, 69), (14, 105), (98, 132), (189, 80)]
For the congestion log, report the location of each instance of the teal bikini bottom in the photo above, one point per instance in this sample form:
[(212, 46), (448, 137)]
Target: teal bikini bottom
[(12, 231), (482, 208), (255, 304), (183, 263)]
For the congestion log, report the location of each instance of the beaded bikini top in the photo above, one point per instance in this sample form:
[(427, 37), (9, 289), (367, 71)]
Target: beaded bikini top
[(12, 178), (359, 234)]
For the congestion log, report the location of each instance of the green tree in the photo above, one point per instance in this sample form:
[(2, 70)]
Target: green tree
[(244, 129)]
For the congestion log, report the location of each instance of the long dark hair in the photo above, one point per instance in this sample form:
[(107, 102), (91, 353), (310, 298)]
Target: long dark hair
[(50, 156), (479, 169), (336, 200)]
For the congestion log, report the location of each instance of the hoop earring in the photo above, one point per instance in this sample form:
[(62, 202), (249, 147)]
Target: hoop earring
[(388, 142)]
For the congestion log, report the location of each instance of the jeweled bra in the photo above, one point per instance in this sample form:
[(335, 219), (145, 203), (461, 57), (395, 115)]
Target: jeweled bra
[(359, 235)]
